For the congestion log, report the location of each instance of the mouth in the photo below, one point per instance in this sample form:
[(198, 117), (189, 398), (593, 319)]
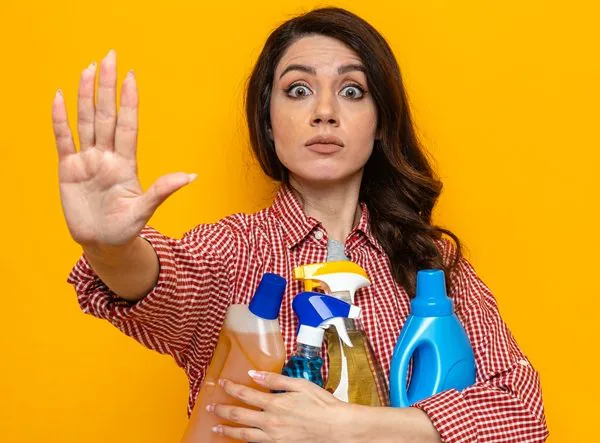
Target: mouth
[(325, 144), (324, 148)]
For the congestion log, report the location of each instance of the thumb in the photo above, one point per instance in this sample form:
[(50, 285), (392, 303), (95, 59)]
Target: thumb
[(161, 189)]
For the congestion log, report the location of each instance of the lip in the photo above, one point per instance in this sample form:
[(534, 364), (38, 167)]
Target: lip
[(325, 140), (324, 148), (325, 144)]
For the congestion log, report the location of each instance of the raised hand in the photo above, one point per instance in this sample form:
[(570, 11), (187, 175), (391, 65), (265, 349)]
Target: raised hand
[(102, 200)]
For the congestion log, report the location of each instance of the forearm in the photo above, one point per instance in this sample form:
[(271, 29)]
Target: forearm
[(129, 271), (393, 425), (509, 411)]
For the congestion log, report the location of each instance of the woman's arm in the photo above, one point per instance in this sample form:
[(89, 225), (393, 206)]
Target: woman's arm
[(129, 271), (393, 425), (308, 413), (187, 301)]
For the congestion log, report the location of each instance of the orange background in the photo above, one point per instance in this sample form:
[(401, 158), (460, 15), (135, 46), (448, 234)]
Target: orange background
[(506, 98)]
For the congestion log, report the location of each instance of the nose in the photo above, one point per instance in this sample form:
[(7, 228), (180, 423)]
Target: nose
[(325, 111)]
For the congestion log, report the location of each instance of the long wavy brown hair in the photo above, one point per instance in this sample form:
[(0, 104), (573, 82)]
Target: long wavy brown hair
[(399, 185)]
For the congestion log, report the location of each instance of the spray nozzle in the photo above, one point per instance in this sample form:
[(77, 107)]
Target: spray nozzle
[(338, 323), (334, 277), (317, 312)]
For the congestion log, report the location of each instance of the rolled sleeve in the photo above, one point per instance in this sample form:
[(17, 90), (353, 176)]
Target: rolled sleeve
[(188, 301), (97, 299), (507, 409), (450, 415)]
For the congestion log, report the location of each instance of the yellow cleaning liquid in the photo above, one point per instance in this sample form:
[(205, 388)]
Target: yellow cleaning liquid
[(249, 339), (365, 384), (235, 355)]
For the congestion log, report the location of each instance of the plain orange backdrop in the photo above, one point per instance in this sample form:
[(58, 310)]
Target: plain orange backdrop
[(505, 95)]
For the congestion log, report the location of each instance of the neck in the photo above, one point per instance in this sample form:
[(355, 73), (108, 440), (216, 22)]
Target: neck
[(335, 206), (307, 351)]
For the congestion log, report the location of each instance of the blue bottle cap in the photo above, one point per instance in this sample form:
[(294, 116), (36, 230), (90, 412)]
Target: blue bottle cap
[(266, 301), (431, 299)]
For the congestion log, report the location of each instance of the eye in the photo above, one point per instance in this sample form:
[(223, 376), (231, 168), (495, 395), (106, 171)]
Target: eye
[(298, 90), (353, 91)]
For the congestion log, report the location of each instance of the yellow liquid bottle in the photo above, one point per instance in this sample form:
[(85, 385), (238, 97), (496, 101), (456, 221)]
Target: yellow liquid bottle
[(355, 375), (250, 339)]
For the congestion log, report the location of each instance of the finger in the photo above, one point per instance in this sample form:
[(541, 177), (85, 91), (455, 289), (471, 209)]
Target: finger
[(278, 382), (106, 111), (161, 189), (86, 107), (235, 414), (127, 120), (60, 124), (249, 396), (243, 434)]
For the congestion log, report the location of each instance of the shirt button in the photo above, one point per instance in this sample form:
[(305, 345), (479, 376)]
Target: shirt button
[(318, 235)]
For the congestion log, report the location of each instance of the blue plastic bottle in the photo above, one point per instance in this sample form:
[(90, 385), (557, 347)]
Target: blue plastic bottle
[(436, 341), (316, 312)]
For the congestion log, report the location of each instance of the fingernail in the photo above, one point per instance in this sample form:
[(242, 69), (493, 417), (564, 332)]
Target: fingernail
[(218, 429), (210, 408), (92, 66), (130, 74), (258, 376), (59, 93), (192, 177), (110, 54), (222, 383)]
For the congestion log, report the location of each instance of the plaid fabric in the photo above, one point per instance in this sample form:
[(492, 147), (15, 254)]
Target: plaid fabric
[(217, 264)]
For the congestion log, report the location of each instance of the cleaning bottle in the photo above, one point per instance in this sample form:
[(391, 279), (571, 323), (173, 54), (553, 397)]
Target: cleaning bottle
[(354, 374), (435, 340), (250, 339), (316, 312)]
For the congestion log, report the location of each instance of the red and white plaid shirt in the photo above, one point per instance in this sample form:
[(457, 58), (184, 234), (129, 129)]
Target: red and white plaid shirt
[(217, 264)]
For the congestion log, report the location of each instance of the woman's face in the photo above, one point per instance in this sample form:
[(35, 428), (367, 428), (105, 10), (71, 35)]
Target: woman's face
[(323, 121)]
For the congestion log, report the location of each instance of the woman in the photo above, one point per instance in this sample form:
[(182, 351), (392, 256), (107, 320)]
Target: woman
[(328, 118)]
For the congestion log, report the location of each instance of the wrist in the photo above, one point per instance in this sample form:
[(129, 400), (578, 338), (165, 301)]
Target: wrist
[(360, 424), (386, 424), (112, 255), (421, 425)]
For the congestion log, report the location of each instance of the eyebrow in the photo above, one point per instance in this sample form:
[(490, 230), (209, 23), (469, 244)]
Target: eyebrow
[(310, 70)]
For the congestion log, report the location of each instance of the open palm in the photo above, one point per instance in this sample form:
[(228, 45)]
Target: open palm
[(101, 196)]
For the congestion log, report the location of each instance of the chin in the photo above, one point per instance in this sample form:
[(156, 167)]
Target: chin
[(324, 176)]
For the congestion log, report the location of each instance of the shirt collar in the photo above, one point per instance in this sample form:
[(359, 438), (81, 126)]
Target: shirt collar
[(364, 227), (297, 225), (288, 210)]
